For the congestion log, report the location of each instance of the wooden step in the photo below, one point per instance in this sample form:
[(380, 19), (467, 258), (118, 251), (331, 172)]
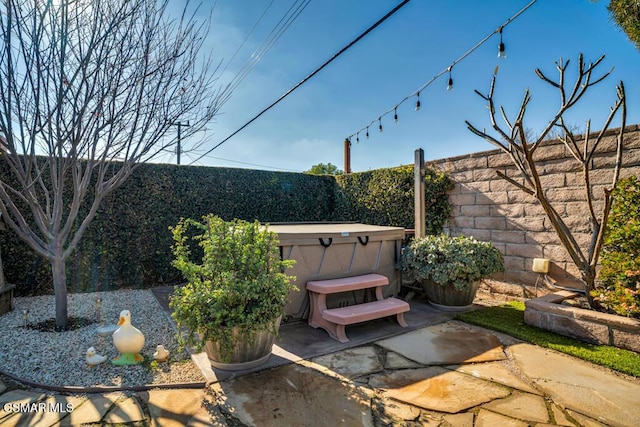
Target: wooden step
[(346, 284), (364, 312)]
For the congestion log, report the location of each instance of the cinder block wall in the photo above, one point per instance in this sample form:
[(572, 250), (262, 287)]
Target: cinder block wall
[(490, 208)]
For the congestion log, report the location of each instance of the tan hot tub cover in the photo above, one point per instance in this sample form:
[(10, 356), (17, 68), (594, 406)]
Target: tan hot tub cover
[(330, 250)]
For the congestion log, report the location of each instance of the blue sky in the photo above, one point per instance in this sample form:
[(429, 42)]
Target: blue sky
[(406, 51)]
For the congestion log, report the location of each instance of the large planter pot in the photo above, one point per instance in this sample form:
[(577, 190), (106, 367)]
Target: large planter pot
[(448, 298), (248, 352)]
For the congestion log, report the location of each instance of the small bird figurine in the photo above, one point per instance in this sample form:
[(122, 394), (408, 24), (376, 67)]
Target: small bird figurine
[(94, 359), (161, 354), (128, 340)]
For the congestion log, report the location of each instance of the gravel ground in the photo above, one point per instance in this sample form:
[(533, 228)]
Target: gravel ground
[(58, 358)]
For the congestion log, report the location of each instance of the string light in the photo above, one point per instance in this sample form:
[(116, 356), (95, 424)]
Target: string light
[(380, 124), (358, 138), (501, 54)]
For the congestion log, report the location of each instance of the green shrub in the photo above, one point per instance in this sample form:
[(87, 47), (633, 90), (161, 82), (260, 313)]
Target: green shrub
[(619, 278), (238, 282), (447, 260)]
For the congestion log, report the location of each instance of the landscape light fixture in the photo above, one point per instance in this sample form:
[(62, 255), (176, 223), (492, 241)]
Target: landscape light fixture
[(98, 312), (501, 52), (418, 102), (450, 82), (25, 316)]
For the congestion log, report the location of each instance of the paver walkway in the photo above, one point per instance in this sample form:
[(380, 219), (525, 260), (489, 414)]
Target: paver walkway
[(449, 374)]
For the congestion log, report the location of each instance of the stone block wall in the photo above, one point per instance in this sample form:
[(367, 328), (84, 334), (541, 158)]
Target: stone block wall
[(492, 209)]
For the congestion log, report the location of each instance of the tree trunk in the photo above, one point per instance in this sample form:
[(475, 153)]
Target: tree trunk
[(58, 270)]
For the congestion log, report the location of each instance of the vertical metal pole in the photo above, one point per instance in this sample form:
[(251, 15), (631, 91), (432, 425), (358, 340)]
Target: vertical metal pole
[(419, 189), (179, 142), (347, 156)]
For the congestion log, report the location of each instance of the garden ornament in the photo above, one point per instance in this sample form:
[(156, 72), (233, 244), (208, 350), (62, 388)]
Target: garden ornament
[(94, 359), (128, 340), (161, 354)]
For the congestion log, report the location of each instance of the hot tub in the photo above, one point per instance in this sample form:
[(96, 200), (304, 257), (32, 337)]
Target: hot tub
[(330, 250)]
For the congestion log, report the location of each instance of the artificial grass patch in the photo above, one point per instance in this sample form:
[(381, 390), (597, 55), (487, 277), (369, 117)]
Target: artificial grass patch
[(509, 319)]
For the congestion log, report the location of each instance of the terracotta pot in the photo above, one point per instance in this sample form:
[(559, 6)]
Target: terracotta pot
[(247, 352), (448, 298)]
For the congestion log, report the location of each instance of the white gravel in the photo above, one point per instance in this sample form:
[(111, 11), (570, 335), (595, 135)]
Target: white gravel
[(58, 358)]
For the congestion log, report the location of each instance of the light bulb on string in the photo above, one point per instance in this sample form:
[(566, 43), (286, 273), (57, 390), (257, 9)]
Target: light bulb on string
[(395, 114), (501, 50), (380, 124), (418, 102), (367, 134), (358, 138), (450, 82)]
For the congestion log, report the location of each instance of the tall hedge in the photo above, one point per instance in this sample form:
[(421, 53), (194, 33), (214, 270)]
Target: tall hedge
[(128, 245), (386, 197)]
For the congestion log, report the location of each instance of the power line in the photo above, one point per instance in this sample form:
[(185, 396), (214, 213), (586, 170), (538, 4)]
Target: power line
[(254, 164), (448, 70), (317, 70)]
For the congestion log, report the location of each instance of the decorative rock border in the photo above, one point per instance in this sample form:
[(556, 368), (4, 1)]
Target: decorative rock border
[(592, 326)]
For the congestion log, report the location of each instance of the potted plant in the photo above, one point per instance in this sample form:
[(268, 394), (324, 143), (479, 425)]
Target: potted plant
[(450, 268), (235, 295)]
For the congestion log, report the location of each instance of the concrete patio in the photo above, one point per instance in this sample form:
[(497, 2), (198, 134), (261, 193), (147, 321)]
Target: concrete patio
[(438, 372)]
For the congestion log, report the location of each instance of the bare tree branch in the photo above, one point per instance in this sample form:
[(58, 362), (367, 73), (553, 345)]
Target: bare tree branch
[(521, 152), (88, 92)]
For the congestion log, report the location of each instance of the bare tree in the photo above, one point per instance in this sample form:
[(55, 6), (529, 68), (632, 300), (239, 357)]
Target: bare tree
[(89, 90), (514, 140)]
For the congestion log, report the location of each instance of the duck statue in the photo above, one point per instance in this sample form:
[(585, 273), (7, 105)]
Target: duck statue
[(161, 354), (128, 340), (93, 358)]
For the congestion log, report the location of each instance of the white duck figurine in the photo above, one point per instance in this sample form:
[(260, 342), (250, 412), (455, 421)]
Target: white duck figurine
[(161, 354), (128, 340), (94, 359)]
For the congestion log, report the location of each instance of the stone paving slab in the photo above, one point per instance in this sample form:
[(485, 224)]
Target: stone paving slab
[(91, 411), (395, 361), (437, 389), (351, 363), (124, 411), (491, 419), (53, 409), (523, 406), (496, 372), (580, 386), (459, 420), (445, 344), (295, 395), (172, 408), (19, 397), (560, 417)]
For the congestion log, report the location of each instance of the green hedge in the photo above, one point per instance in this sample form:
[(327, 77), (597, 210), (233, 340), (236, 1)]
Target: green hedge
[(128, 245), (386, 197)]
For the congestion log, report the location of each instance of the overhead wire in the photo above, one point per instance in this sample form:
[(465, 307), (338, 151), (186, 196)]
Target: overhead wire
[(304, 80), (276, 33), (247, 36)]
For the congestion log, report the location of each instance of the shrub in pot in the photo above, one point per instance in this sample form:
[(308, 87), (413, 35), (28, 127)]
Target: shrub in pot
[(235, 295), (450, 268)]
